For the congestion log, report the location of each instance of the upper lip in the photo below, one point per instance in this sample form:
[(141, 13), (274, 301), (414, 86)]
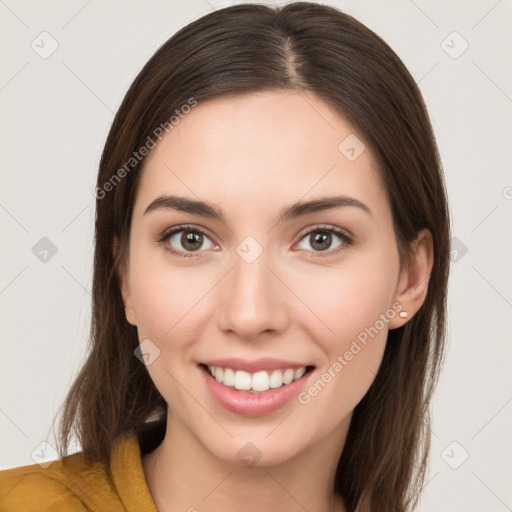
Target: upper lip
[(256, 365)]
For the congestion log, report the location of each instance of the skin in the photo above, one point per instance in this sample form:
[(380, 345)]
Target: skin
[(251, 155)]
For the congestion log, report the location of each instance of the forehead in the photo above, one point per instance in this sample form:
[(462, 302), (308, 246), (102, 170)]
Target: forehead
[(276, 146)]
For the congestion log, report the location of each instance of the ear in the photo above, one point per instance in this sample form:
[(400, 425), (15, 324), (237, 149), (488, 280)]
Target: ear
[(123, 276), (413, 282)]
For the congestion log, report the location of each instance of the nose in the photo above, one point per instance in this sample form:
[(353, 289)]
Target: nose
[(252, 299)]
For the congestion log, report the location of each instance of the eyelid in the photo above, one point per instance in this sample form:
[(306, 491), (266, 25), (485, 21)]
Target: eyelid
[(181, 227), (320, 227)]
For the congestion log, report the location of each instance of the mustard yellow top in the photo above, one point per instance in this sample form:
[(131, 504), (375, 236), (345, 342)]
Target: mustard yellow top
[(69, 484)]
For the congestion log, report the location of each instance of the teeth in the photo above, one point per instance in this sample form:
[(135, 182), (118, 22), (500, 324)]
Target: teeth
[(299, 373), (276, 379), (256, 382), (229, 377), (243, 380), (288, 376), (260, 381)]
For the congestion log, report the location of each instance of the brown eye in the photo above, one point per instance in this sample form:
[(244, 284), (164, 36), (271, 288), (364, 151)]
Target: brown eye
[(321, 240), (185, 241), (191, 240)]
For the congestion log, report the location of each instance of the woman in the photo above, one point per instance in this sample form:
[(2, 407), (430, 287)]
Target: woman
[(270, 279)]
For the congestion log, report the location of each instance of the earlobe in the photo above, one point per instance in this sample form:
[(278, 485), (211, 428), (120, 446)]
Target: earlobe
[(124, 286), (413, 283)]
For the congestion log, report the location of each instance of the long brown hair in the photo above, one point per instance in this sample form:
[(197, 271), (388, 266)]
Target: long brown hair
[(299, 46)]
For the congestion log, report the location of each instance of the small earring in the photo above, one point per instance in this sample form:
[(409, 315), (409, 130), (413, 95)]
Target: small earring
[(403, 314)]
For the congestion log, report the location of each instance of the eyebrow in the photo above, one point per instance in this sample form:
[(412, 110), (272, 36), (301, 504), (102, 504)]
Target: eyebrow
[(294, 211)]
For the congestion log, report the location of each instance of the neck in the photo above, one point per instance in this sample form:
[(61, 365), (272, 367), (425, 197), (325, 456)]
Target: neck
[(183, 475)]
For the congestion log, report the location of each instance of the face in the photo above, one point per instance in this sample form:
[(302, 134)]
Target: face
[(250, 290)]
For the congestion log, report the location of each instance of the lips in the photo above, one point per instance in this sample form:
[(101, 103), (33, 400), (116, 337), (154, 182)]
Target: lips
[(254, 388)]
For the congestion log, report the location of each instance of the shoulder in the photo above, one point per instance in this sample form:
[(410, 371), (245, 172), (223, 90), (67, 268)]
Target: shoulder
[(67, 484), (37, 488), (72, 484)]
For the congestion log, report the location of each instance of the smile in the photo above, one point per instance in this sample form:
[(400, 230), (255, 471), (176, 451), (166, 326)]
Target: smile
[(254, 388), (257, 382)]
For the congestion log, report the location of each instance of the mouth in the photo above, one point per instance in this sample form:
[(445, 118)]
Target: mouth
[(258, 392), (256, 382)]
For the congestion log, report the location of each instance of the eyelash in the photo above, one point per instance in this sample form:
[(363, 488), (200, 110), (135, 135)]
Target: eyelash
[(345, 238)]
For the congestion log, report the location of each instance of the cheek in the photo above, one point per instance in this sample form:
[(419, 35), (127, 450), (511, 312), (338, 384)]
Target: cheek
[(352, 309), (169, 301), (168, 306), (353, 353), (161, 305), (347, 302)]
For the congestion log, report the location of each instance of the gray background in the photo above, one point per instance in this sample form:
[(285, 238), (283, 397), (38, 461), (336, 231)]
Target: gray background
[(56, 112)]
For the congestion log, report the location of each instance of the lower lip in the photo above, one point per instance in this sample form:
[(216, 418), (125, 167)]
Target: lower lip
[(253, 404)]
